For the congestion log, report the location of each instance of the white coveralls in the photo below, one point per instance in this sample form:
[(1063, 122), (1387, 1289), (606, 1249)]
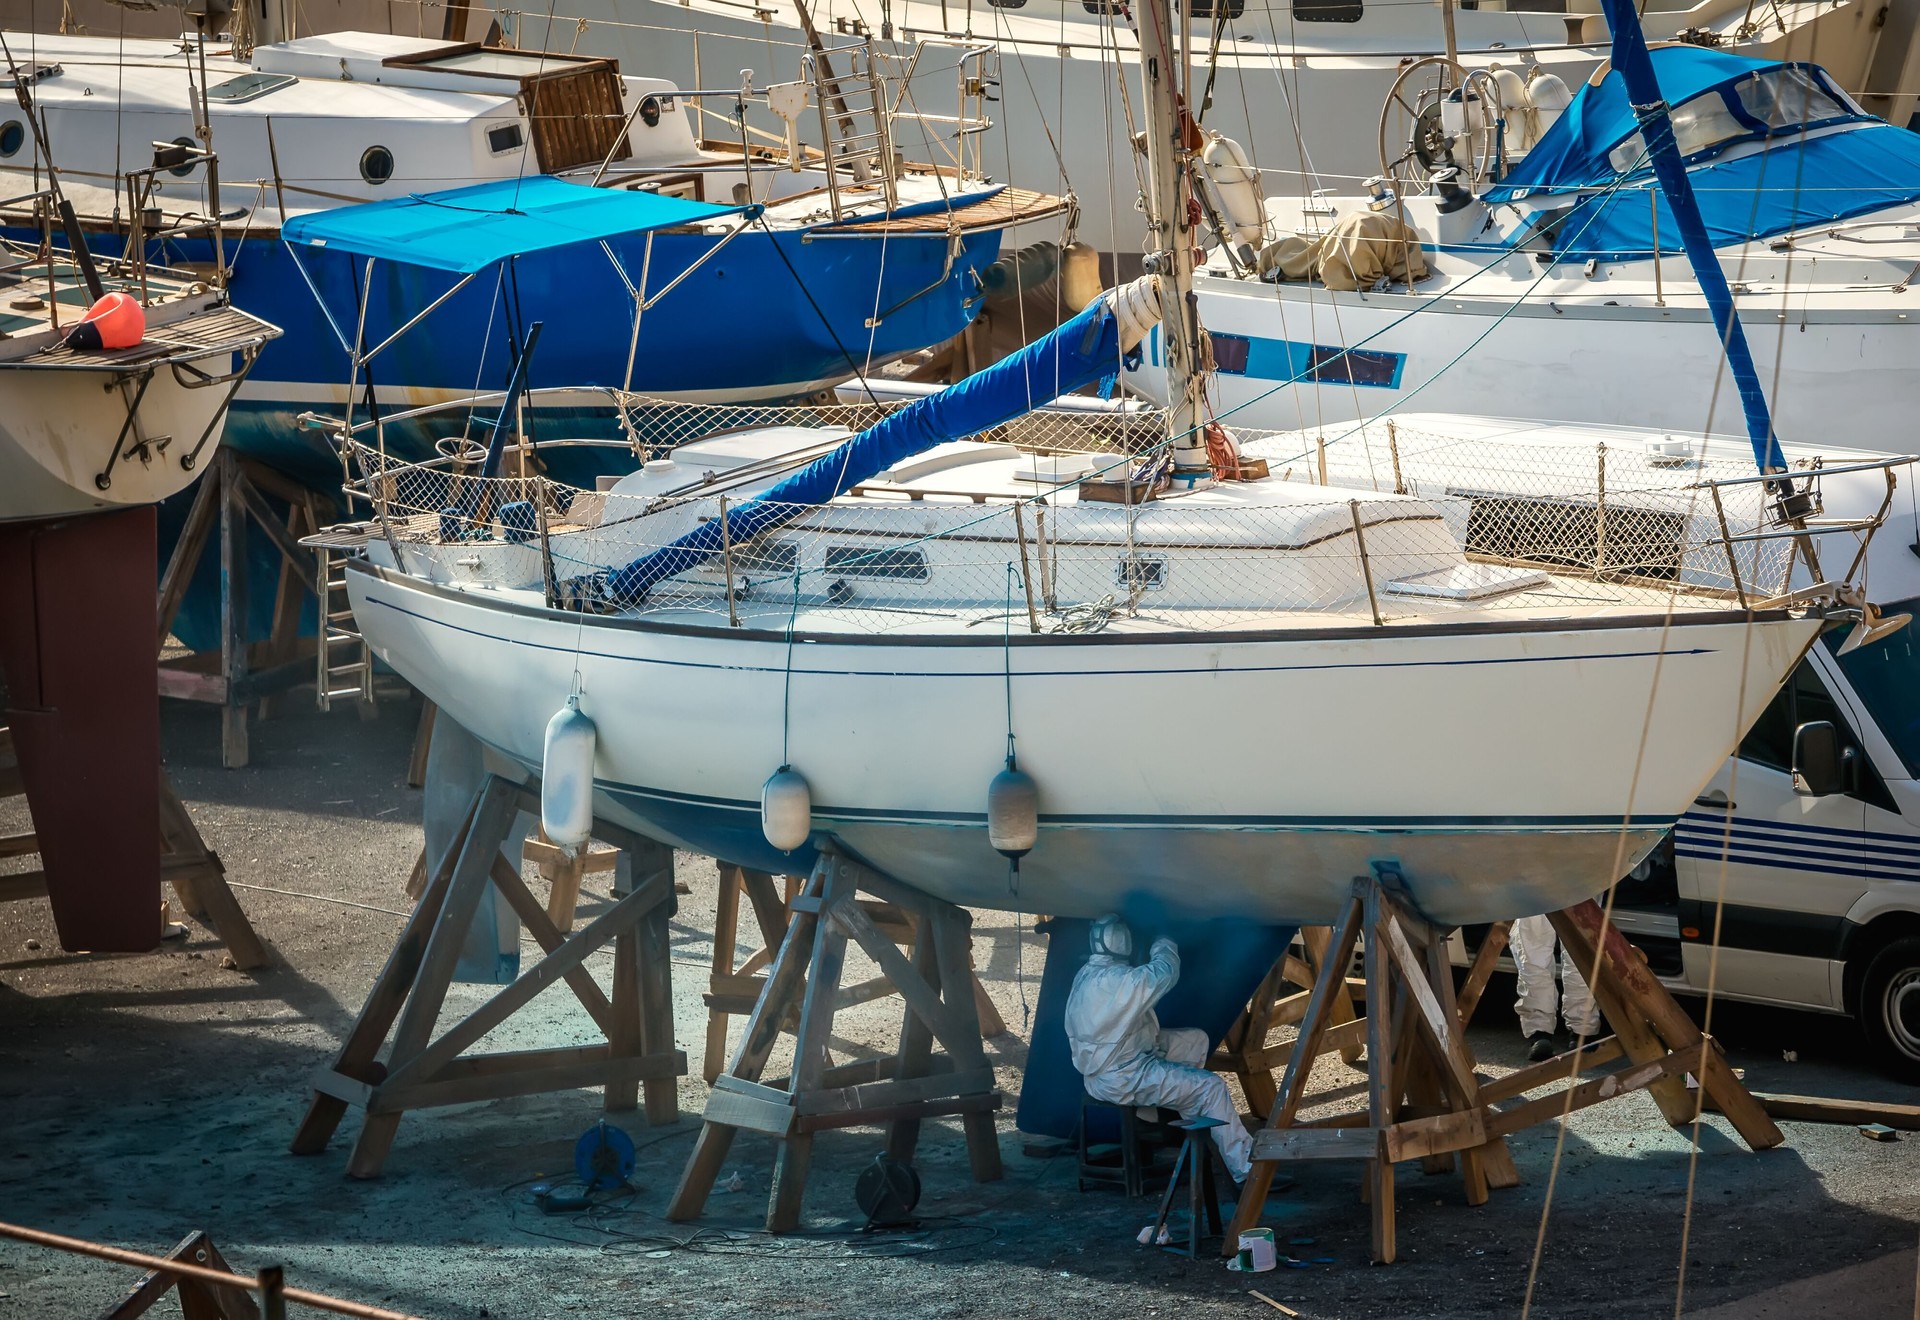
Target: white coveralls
[(1532, 942), (1126, 1058)]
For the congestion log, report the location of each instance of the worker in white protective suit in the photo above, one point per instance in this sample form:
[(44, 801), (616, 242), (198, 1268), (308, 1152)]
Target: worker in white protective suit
[(1125, 1056), (1532, 941)]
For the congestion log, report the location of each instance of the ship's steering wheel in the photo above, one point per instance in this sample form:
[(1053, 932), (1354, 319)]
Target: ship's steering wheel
[(1413, 142)]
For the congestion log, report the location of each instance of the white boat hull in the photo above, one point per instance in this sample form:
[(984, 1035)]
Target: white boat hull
[(58, 430), (1551, 358), (1250, 775)]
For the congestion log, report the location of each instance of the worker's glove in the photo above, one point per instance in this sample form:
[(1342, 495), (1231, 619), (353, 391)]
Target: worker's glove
[(1165, 945)]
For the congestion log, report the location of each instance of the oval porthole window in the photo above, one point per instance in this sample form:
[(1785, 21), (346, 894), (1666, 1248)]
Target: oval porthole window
[(376, 165), (13, 136), (182, 170), (650, 111)]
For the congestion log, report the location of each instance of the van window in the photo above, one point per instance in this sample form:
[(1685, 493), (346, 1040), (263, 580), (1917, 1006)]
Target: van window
[(1805, 700), (1886, 676)]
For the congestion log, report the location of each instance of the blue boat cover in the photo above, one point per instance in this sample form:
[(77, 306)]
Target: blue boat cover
[(1795, 184), (468, 229), (1082, 351), (1574, 153)]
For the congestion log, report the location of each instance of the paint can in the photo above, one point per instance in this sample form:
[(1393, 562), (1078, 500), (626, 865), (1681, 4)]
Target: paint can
[(1257, 1254)]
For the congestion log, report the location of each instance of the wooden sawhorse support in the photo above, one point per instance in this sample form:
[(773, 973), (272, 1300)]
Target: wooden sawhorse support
[(1248, 1050), (195, 871), (1424, 1100), (422, 1071), (228, 498), (736, 989), (900, 1090)]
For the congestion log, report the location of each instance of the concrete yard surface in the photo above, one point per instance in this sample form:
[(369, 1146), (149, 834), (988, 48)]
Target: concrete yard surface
[(146, 1096)]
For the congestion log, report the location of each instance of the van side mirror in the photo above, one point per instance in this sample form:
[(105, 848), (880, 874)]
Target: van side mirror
[(1817, 760)]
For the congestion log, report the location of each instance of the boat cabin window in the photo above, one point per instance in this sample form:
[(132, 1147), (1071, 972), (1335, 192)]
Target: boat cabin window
[(376, 165), (864, 561), (1145, 572), (1007, 4), (1328, 11), (13, 136), (1759, 105), (767, 557), (505, 138)]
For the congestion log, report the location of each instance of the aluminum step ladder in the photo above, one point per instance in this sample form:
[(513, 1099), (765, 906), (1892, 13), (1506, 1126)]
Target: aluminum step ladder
[(343, 659)]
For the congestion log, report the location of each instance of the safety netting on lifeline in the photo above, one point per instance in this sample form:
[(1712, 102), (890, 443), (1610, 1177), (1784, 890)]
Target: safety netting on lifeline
[(1380, 527)]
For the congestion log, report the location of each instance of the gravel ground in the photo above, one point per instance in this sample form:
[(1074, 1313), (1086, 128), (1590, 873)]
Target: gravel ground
[(145, 1096)]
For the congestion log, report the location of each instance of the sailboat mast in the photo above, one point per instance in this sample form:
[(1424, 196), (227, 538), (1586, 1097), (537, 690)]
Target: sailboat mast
[(1170, 222)]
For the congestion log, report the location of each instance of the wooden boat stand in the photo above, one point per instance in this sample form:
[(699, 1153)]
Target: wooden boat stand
[(901, 1090), (241, 673), (195, 871), (1248, 1050), (421, 1071), (1424, 1100), (734, 990)]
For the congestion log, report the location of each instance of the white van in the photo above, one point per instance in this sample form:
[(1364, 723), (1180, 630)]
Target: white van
[(1802, 856), (1811, 872)]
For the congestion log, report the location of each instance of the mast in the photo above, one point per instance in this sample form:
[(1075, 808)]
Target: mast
[(1170, 138), (1635, 66)]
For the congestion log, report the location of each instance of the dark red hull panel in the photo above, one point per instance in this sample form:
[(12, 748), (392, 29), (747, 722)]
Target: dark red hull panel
[(77, 645)]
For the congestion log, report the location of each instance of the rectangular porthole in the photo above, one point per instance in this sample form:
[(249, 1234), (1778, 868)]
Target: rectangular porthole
[(505, 138), (859, 561), (766, 557), (1230, 354), (1147, 572), (1355, 366), (1328, 11)]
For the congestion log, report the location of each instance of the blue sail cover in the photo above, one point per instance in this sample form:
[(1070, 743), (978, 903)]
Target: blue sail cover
[(1818, 158), (468, 229), (1082, 351), (1631, 60)]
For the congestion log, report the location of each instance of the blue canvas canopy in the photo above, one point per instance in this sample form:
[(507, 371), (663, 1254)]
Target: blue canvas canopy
[(465, 230), (1577, 152)]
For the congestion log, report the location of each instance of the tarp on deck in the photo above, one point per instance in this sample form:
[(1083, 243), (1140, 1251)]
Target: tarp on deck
[(464, 230)]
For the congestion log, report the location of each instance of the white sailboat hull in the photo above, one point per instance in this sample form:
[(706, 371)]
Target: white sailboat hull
[(1251, 775), (1570, 359), (58, 431)]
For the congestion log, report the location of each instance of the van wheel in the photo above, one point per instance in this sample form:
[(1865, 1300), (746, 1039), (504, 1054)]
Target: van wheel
[(1890, 1007)]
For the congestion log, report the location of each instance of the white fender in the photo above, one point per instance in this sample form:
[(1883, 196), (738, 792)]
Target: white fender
[(1550, 97), (566, 778), (1236, 188)]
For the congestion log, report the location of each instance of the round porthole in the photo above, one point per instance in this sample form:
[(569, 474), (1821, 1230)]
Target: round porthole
[(182, 170), (13, 136), (376, 165), (650, 111)]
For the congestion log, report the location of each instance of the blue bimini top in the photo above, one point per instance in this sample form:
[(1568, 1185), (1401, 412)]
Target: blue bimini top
[(1769, 146), (464, 230)]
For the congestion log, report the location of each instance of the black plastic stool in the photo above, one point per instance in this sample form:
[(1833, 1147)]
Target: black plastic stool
[(1196, 1158), (1137, 1166)]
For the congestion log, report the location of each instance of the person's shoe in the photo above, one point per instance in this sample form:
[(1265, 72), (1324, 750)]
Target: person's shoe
[(1540, 1047)]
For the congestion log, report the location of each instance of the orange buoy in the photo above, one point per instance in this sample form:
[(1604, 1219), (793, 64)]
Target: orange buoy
[(115, 321)]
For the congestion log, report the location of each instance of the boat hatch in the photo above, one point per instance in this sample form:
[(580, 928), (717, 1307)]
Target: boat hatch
[(249, 87), (574, 106)]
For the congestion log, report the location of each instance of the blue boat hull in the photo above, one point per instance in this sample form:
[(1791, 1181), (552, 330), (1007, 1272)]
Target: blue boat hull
[(772, 315)]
